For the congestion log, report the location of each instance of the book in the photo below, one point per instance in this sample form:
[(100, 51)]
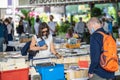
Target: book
[(41, 43)]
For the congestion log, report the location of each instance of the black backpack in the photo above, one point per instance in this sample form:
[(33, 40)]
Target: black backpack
[(25, 49)]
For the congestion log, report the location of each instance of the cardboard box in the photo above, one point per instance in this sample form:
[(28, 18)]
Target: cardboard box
[(72, 74), (66, 60), (74, 59)]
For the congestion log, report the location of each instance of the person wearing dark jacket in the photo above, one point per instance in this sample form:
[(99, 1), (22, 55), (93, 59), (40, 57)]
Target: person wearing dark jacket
[(9, 29), (3, 36), (20, 28), (96, 72)]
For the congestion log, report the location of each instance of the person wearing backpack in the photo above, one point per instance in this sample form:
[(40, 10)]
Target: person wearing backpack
[(103, 52)]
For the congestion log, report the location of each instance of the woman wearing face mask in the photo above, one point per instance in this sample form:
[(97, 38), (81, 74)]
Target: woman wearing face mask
[(47, 46)]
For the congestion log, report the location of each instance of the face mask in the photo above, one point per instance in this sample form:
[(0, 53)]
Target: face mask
[(44, 37), (92, 30)]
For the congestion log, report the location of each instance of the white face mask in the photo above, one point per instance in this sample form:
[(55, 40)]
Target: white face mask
[(92, 30), (44, 37)]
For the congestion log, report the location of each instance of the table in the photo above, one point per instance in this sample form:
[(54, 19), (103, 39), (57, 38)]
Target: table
[(15, 44)]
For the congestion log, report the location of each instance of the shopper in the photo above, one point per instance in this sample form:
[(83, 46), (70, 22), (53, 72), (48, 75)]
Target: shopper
[(109, 20), (69, 33), (47, 46), (105, 25), (36, 26), (52, 26), (96, 72), (20, 28), (3, 36), (80, 28), (9, 28), (12, 24)]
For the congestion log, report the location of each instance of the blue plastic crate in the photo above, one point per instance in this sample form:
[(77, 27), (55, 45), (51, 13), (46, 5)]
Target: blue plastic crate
[(51, 72)]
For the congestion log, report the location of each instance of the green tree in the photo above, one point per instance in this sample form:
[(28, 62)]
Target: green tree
[(96, 12), (25, 13), (63, 28)]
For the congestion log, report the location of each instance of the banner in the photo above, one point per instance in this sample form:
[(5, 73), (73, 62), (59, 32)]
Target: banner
[(59, 2)]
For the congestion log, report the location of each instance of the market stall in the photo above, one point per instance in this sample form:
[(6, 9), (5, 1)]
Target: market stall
[(76, 63)]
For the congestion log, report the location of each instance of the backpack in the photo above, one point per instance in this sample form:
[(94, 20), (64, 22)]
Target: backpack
[(25, 49), (109, 57)]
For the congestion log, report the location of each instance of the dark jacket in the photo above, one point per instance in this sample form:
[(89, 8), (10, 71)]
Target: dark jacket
[(96, 43), (4, 32), (20, 29)]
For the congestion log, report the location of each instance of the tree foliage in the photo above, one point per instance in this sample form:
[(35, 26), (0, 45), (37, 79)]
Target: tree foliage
[(63, 28), (25, 13), (96, 12)]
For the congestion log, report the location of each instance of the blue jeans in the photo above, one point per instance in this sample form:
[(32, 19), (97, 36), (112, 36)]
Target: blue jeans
[(10, 37), (1, 44)]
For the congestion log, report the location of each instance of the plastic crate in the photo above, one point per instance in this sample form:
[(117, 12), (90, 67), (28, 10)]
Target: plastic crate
[(51, 72), (18, 74)]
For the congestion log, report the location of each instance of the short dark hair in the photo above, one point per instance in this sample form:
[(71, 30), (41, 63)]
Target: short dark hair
[(103, 19), (37, 19), (42, 26), (52, 16), (70, 32), (80, 18), (7, 20)]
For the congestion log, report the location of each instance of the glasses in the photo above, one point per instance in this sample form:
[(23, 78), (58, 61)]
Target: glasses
[(45, 31)]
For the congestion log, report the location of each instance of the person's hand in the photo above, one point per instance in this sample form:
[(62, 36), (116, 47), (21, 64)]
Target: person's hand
[(90, 75), (45, 47)]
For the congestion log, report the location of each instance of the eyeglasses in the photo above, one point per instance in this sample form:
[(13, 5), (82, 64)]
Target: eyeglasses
[(45, 31)]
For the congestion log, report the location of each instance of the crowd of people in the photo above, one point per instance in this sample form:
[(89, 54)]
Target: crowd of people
[(81, 29), (77, 30), (6, 31)]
